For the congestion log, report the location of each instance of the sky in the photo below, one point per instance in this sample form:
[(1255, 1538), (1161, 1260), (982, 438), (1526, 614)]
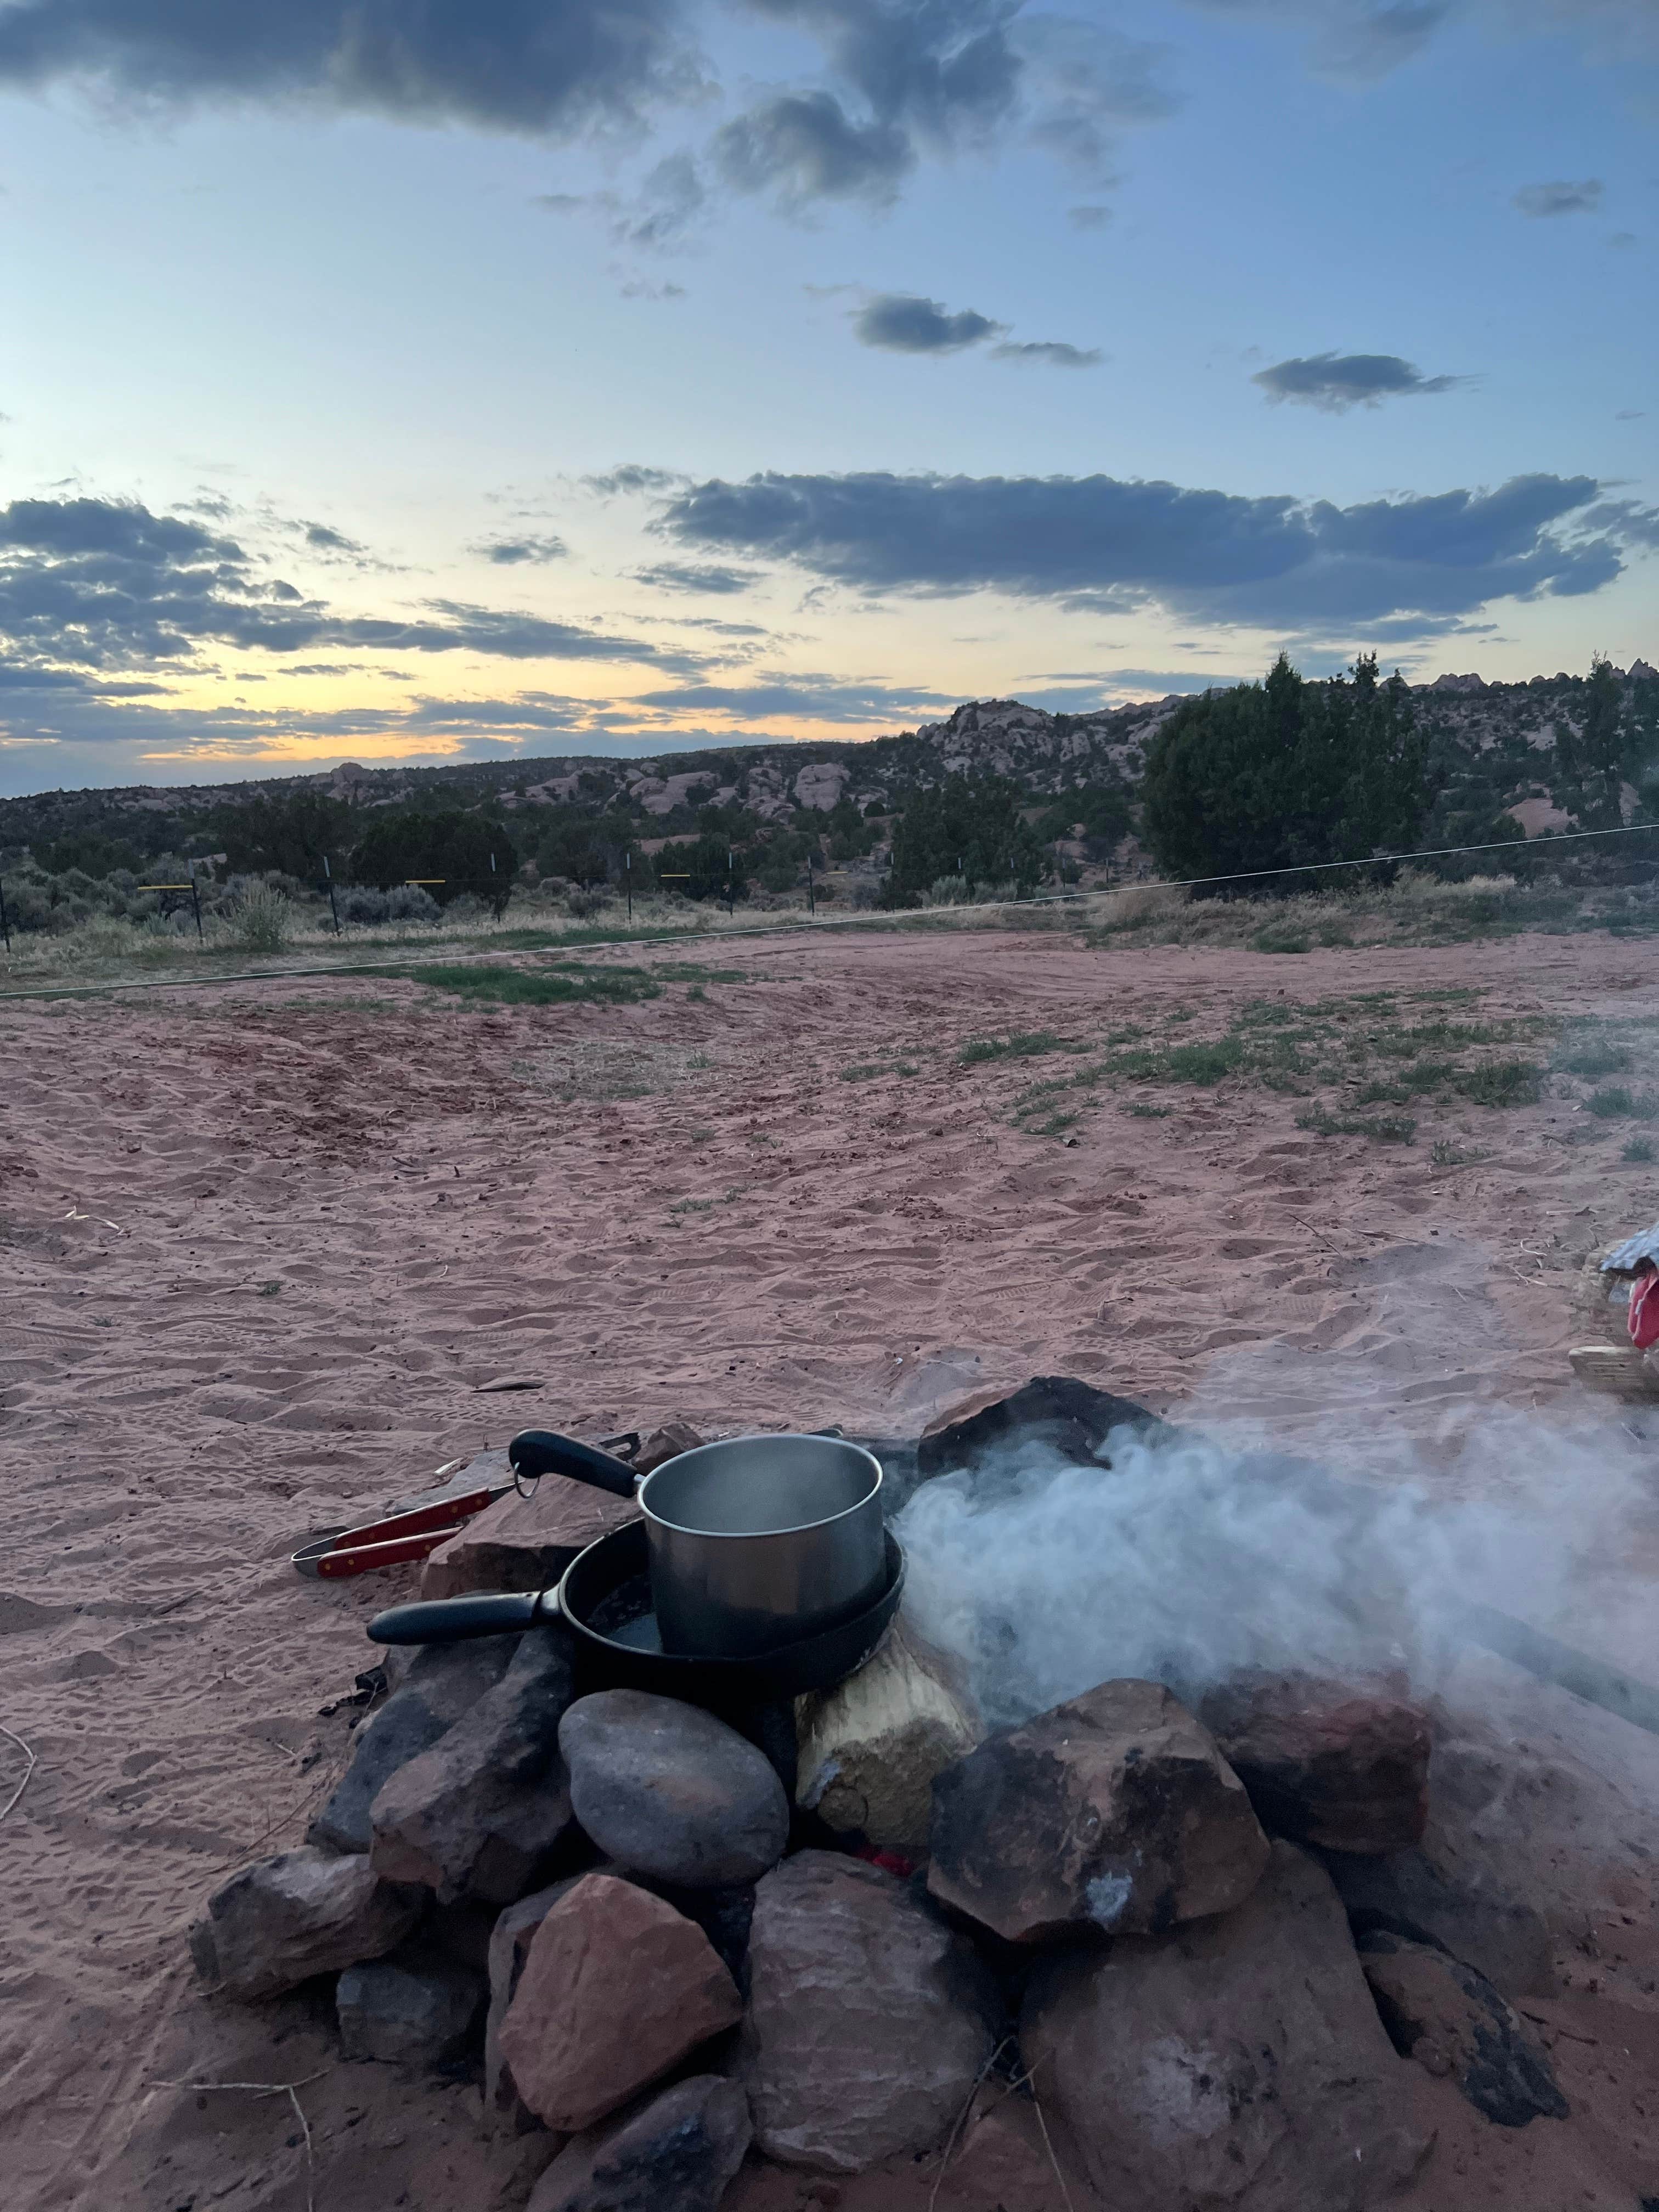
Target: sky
[(449, 379)]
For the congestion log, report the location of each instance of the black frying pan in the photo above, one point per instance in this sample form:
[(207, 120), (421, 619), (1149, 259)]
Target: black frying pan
[(604, 1598)]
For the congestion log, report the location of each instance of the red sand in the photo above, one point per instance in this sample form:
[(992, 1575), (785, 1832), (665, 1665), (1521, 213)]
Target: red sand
[(756, 1241)]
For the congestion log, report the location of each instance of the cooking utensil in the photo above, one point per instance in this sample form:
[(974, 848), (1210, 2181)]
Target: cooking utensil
[(752, 1543), (603, 1598), (339, 1553)]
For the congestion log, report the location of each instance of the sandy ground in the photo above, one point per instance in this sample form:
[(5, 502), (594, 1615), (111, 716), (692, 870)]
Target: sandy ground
[(262, 1245)]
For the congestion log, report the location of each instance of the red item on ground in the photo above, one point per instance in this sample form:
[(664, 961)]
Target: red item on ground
[(1644, 1312)]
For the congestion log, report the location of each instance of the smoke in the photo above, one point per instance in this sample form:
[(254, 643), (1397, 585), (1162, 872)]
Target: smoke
[(1184, 1560)]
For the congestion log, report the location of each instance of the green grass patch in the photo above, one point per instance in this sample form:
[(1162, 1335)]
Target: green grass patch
[(1386, 1128), (1204, 1063), (1500, 1083), (1023, 1044), (1446, 1155), (1594, 1060), (692, 1205), (865, 1073), (1143, 1112), (1638, 1152), (487, 985), (1615, 1102)]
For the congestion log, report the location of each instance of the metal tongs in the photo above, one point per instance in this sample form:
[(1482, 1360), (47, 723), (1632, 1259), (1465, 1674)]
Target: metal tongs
[(337, 1554)]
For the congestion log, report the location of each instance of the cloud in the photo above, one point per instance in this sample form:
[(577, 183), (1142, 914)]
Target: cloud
[(818, 698), (804, 147), (1054, 352), (697, 576), (901, 322), (98, 584), (1559, 196), (904, 323), (322, 539), (517, 552), (550, 67), (632, 477), (1101, 544), (1338, 381), (909, 78), (1089, 217)]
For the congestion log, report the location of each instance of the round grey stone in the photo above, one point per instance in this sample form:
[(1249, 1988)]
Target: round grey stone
[(669, 1792)]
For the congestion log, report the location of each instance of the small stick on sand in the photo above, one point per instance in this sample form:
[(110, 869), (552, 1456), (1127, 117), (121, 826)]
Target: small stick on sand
[(951, 2140), (288, 2089), (27, 1771)]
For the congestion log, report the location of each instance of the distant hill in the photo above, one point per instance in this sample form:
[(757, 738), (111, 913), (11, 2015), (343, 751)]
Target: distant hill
[(1492, 749)]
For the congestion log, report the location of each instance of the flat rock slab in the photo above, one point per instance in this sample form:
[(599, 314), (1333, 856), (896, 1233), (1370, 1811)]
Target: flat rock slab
[(869, 2019), (415, 2014), (280, 1921), (1452, 2022), (665, 1789), (523, 1543), (1071, 1417), (1115, 1812), (616, 1990), (1327, 1763), (1236, 2064), (677, 2152), (480, 1813), (869, 1749)]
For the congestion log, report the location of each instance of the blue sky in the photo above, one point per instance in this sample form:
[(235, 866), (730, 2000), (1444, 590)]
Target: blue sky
[(444, 379)]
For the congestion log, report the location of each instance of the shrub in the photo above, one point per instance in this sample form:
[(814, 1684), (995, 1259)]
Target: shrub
[(1640, 1152), (262, 920), (362, 903), (1500, 1083), (410, 902)]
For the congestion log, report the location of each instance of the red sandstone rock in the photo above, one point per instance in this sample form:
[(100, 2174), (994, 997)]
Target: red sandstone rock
[(1115, 1811), (1237, 2065), (868, 2019), (618, 1988), (1328, 1763)]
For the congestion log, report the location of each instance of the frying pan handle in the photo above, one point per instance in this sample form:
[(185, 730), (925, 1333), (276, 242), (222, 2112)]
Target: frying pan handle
[(454, 1620), (538, 1451)]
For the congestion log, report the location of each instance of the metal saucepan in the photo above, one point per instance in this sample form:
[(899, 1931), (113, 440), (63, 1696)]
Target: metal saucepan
[(753, 1543)]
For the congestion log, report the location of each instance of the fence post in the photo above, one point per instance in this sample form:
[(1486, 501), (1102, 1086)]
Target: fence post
[(196, 901), (627, 873), (328, 874), (811, 902), (730, 883), (5, 924)]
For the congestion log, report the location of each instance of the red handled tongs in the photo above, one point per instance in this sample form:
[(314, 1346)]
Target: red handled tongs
[(393, 1542), (338, 1553)]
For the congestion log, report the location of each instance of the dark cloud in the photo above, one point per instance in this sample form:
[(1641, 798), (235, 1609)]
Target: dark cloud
[(824, 698), (519, 552), (1106, 545), (904, 323), (1054, 353), (1338, 381), (322, 539), (804, 147), (1089, 218), (1560, 196), (913, 77), (697, 576), (105, 585), (632, 477), (548, 67)]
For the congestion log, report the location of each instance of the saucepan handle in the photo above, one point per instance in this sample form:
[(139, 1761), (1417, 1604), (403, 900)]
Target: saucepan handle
[(535, 1452), (454, 1619)]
